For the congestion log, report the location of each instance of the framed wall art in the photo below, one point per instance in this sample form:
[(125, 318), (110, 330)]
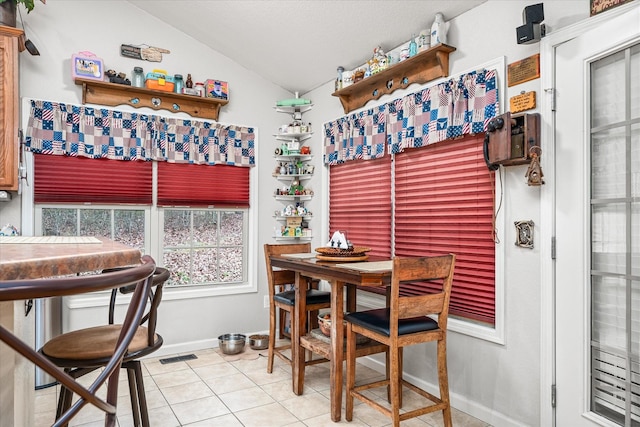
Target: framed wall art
[(598, 6)]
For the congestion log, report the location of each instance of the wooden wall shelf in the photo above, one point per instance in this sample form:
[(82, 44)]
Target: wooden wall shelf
[(112, 94), (427, 65)]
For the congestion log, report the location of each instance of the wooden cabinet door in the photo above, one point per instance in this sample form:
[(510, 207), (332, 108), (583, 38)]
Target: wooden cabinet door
[(9, 113)]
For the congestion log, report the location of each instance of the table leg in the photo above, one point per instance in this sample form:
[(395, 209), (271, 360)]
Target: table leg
[(337, 343), (299, 329)]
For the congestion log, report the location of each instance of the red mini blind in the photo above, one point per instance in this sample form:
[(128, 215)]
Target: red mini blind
[(360, 203), (181, 184), (444, 203), (63, 179)]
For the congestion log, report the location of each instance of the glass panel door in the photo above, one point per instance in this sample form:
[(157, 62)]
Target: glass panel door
[(615, 236)]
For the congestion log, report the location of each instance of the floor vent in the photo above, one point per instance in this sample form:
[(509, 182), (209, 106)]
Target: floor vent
[(178, 359)]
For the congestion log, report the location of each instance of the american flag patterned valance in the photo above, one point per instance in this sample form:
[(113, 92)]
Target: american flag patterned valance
[(456, 107), (73, 130)]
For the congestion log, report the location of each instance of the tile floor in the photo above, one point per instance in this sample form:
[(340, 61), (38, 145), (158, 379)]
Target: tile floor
[(229, 391)]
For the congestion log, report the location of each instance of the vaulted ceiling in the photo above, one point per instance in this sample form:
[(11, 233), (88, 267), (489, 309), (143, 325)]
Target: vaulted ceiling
[(298, 44)]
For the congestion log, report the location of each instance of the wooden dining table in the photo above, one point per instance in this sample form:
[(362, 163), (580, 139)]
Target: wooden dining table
[(374, 271), (23, 257)]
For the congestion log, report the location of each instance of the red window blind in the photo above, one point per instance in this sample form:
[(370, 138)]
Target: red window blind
[(63, 179), (444, 203), (360, 203), (181, 184)]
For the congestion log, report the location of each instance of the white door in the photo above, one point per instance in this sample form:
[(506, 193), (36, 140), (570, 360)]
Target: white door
[(597, 211)]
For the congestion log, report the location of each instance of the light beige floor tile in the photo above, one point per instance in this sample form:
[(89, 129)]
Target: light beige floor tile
[(154, 366), (308, 405), (155, 399), (199, 409), (228, 420), (283, 390), (324, 420), (161, 417), (246, 399), (272, 415), (185, 392), (229, 383), (261, 377), (205, 357), (172, 379), (216, 370)]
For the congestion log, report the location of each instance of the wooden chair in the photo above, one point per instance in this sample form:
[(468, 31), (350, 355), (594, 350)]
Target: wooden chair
[(283, 301), (83, 351), (405, 322), (141, 277)]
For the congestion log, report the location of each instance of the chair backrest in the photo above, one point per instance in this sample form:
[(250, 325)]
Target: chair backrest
[(422, 271), (141, 277), (150, 318), (278, 278)]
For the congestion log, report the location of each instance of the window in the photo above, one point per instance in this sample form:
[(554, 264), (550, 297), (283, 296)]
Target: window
[(202, 242), (204, 246), (122, 225), (442, 201)]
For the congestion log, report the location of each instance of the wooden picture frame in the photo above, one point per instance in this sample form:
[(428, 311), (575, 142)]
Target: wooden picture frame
[(597, 6)]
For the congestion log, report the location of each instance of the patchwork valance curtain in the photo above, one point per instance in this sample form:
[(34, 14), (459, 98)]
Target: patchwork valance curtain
[(456, 107), (73, 130), (357, 136)]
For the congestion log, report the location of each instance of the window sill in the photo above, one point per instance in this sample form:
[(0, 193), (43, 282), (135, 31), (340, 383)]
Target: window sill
[(169, 293)]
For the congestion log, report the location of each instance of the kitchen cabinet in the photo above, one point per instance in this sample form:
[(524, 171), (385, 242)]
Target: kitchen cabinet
[(11, 39), (113, 94), (427, 65), (292, 172)]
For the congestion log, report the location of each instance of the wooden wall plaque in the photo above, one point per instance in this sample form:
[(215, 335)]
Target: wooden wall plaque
[(524, 70), (524, 101)]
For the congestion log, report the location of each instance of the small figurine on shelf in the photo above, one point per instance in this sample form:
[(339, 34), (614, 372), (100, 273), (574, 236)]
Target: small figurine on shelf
[(189, 83), (438, 30), (378, 61)]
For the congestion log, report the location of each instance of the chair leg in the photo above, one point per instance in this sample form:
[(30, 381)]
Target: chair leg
[(351, 372), (443, 379), (135, 405), (395, 384), (142, 397), (272, 337)]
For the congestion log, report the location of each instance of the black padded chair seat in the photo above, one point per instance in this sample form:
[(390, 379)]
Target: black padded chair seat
[(313, 297), (378, 321)]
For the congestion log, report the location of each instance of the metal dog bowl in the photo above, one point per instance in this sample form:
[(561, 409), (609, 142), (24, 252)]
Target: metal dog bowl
[(259, 342), (231, 343)]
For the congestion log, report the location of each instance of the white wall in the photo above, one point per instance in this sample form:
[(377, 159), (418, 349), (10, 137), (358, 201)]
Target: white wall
[(498, 383)]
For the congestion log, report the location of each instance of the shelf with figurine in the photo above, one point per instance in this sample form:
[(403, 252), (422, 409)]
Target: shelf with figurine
[(292, 169), (286, 136), (423, 67), (113, 94), (296, 108)]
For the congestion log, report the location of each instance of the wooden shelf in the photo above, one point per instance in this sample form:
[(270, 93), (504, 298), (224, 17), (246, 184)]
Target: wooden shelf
[(323, 346), (112, 94), (427, 65)]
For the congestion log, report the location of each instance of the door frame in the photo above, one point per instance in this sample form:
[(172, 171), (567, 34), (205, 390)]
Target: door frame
[(547, 200)]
